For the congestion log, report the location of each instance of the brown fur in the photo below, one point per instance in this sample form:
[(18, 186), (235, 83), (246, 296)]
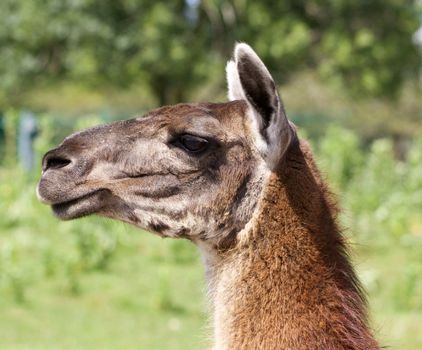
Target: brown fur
[(294, 287)]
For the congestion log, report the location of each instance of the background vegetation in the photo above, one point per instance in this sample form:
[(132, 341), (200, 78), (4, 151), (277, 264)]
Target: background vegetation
[(350, 76)]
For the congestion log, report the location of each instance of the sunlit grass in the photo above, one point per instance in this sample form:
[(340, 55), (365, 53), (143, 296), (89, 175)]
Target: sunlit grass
[(148, 297)]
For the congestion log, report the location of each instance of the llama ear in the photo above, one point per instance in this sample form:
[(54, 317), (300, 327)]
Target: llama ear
[(248, 79)]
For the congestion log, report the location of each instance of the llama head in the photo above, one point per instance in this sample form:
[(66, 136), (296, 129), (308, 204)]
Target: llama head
[(188, 170)]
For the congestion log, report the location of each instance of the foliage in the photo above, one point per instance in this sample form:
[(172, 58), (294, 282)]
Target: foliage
[(352, 43), (172, 47), (317, 106), (99, 43), (380, 193)]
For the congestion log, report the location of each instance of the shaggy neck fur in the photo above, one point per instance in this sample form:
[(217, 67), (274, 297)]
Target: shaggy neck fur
[(287, 284)]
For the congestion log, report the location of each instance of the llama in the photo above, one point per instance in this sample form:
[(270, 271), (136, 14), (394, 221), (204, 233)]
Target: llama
[(235, 179)]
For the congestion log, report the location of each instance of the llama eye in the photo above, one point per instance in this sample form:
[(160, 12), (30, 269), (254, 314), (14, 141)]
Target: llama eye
[(194, 144)]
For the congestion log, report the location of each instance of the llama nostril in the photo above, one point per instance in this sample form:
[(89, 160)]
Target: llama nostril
[(55, 162)]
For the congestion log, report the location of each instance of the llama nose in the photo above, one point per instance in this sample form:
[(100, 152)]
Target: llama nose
[(53, 160)]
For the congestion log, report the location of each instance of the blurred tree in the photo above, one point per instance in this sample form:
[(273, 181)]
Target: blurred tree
[(99, 43), (364, 46)]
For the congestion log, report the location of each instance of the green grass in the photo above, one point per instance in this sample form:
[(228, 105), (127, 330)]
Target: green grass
[(394, 296), (146, 299)]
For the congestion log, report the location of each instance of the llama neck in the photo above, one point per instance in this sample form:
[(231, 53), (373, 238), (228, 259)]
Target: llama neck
[(288, 283)]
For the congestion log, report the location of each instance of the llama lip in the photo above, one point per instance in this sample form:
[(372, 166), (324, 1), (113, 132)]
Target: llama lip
[(82, 206), (59, 197)]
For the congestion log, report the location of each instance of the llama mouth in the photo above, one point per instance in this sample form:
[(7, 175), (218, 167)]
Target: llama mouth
[(85, 205)]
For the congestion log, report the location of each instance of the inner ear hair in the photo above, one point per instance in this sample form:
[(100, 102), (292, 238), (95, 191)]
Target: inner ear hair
[(258, 87), (249, 79)]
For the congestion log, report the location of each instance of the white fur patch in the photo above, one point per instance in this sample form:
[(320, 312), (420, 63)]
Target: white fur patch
[(235, 91), (234, 87), (254, 126)]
